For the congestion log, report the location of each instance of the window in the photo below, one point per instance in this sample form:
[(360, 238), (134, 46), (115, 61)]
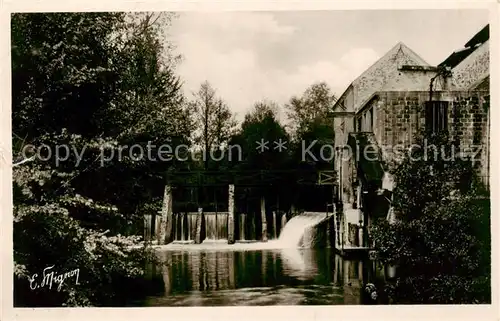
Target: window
[(369, 115), (436, 116), (359, 120)]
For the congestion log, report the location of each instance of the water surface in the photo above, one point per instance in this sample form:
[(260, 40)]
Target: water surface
[(215, 274)]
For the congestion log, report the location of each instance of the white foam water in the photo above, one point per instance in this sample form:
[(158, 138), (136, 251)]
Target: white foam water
[(298, 232)]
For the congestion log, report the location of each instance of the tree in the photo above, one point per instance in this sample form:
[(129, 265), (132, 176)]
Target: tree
[(440, 242), (311, 108), (93, 82), (213, 118), (261, 125), (311, 125), (262, 110)]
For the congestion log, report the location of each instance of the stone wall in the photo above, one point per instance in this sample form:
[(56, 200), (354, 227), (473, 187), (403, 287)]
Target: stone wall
[(342, 163), (398, 117), (390, 102)]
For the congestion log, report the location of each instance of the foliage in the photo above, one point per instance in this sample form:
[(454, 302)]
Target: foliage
[(214, 120), (441, 241), (101, 89), (311, 108), (93, 82), (261, 124)]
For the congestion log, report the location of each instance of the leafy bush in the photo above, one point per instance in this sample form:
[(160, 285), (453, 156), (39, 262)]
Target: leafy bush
[(441, 240), (90, 82), (45, 235)]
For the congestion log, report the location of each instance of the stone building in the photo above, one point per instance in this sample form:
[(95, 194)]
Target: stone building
[(388, 105)]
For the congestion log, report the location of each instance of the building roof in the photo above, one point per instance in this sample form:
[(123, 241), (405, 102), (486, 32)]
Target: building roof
[(388, 72), (381, 72), (393, 54), (479, 37), (459, 55)]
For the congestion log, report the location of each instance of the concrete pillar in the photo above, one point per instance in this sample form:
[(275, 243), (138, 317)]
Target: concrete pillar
[(230, 218), (157, 225), (166, 227), (263, 217), (339, 230), (199, 222)]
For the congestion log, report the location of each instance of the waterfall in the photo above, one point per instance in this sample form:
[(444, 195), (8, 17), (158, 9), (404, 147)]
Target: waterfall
[(216, 225), (191, 223), (222, 227), (210, 226), (283, 222), (182, 226), (253, 233), (299, 230), (275, 227), (178, 228)]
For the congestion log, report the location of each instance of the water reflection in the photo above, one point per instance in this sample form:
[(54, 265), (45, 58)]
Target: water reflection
[(257, 277)]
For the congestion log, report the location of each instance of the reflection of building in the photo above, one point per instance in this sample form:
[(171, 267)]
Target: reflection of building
[(352, 277), (390, 103)]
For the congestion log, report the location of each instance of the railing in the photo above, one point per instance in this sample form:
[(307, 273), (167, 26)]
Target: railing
[(251, 177)]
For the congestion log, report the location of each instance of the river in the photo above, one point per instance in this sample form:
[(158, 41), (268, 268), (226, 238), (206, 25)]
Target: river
[(217, 274)]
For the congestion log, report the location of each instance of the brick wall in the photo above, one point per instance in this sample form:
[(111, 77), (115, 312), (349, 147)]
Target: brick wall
[(469, 123), (399, 116)]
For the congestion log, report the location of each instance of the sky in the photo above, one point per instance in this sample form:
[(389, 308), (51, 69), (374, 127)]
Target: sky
[(254, 56)]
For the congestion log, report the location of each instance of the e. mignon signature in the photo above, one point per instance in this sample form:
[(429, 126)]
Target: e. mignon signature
[(49, 277)]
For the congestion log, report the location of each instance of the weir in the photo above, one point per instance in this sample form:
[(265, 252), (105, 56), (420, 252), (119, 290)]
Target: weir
[(256, 223), (261, 224), (300, 230), (216, 226), (305, 230)]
